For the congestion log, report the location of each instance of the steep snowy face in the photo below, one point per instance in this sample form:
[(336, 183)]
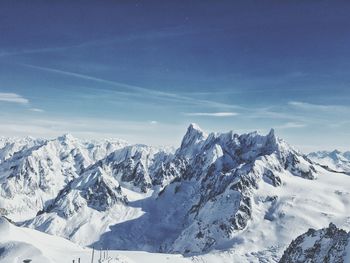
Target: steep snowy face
[(134, 166), (192, 141), (224, 170), (85, 208), (335, 160), (96, 190), (320, 246), (34, 175), (10, 146)]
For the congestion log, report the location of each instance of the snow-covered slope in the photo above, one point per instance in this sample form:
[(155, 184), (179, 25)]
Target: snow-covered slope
[(18, 244), (248, 195), (319, 246), (335, 160)]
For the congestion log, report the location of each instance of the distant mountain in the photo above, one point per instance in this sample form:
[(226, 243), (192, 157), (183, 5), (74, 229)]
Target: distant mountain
[(251, 193), (335, 160), (327, 245)]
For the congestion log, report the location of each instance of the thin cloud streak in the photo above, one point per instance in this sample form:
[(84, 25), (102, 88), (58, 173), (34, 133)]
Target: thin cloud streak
[(36, 110), (63, 48), (318, 107), (155, 93), (13, 98), (166, 32), (291, 125), (212, 114)]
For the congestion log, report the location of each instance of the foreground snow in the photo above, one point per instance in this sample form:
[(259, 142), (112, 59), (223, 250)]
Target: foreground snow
[(17, 244)]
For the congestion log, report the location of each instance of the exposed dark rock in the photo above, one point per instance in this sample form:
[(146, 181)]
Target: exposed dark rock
[(327, 245)]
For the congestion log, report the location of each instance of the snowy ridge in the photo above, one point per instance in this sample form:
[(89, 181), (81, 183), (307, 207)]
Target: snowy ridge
[(335, 160), (325, 245)]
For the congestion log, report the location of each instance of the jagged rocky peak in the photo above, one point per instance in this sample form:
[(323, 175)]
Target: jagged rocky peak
[(101, 191), (134, 166), (10, 146), (326, 245), (96, 190), (271, 137), (193, 137), (194, 130), (224, 170), (66, 137), (336, 152)]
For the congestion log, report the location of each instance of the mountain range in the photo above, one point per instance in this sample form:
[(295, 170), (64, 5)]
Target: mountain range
[(244, 195)]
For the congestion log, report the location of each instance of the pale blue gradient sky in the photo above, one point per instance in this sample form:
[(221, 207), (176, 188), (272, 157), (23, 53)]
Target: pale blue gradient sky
[(142, 71)]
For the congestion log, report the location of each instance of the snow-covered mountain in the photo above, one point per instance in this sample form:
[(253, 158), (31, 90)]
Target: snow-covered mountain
[(335, 160), (250, 193), (326, 245), (33, 172)]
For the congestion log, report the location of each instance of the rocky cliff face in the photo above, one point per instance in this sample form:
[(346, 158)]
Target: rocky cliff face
[(326, 245)]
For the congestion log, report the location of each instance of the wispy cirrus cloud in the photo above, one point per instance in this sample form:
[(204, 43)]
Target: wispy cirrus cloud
[(36, 110), (168, 96), (122, 39), (291, 125), (319, 107), (212, 114), (13, 98)]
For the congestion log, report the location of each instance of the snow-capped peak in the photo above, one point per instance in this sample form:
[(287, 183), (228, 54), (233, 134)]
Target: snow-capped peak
[(66, 138), (193, 137)]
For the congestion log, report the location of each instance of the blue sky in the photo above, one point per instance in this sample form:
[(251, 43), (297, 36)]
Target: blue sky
[(143, 70)]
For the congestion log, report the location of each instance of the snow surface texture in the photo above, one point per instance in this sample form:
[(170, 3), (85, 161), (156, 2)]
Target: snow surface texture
[(336, 160), (18, 244), (240, 197), (327, 245)]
